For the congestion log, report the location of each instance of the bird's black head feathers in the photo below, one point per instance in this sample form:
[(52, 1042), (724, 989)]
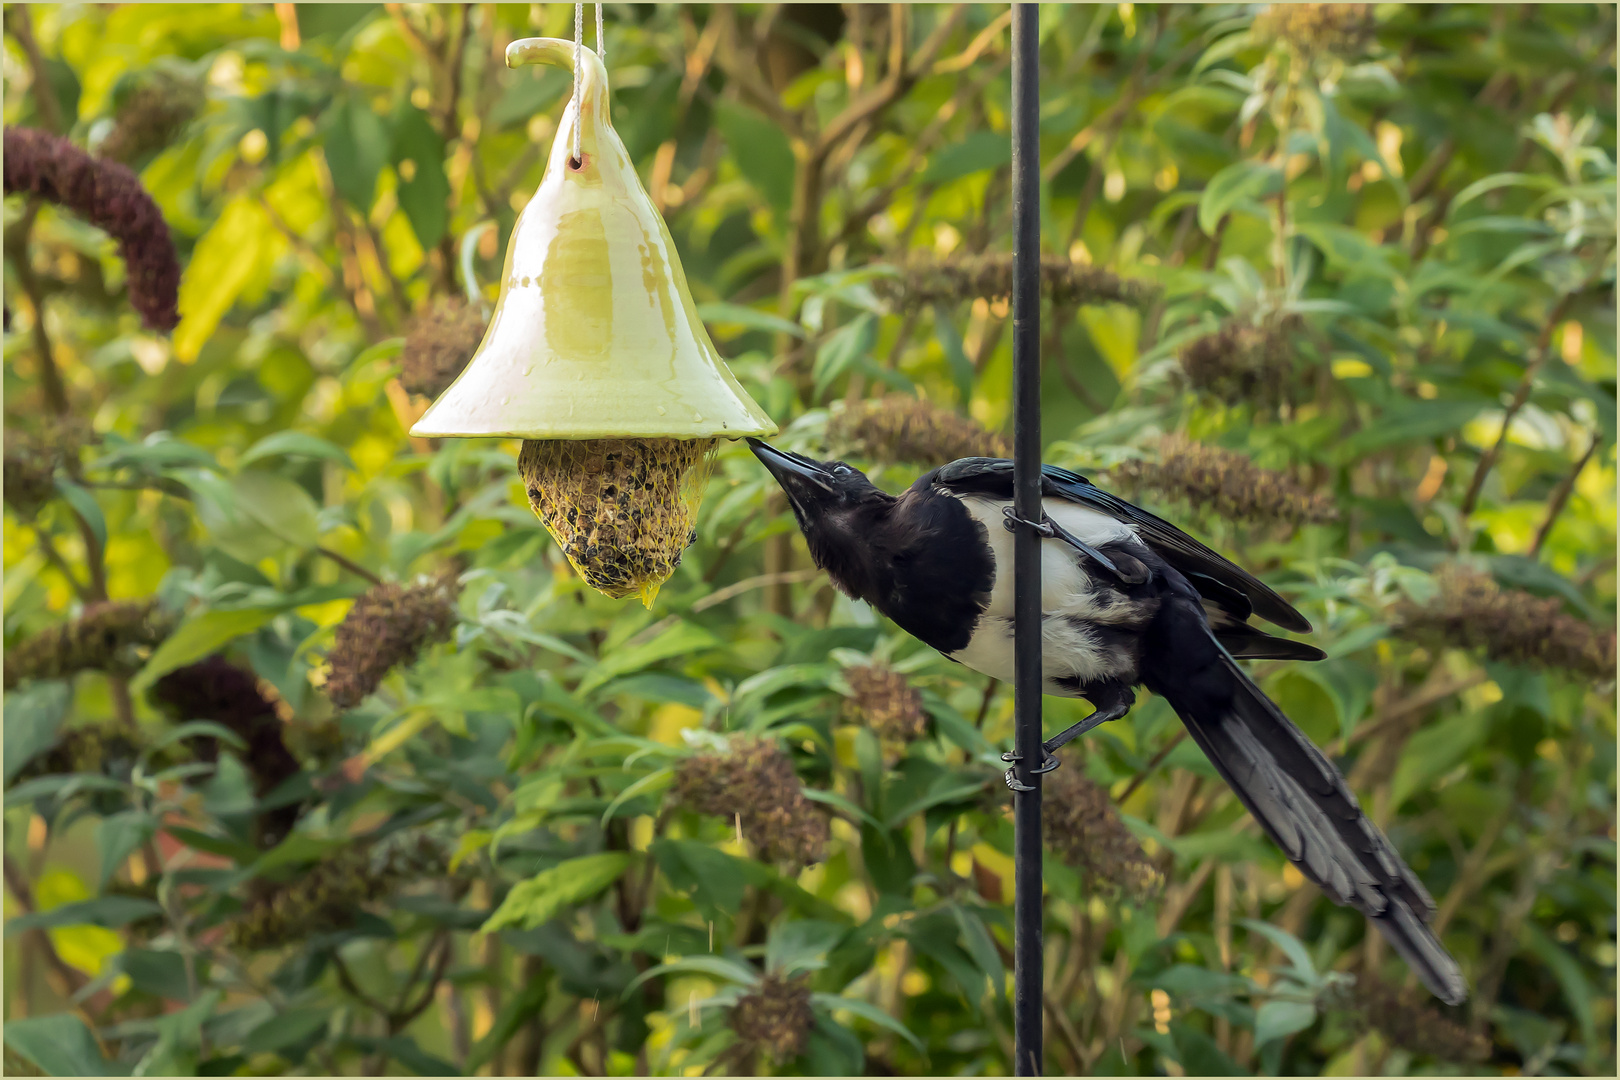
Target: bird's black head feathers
[(838, 510)]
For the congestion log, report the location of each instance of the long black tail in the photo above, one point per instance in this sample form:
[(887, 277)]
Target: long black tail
[(1295, 793)]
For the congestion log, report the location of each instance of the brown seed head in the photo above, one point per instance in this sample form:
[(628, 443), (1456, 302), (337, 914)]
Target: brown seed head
[(152, 115), (110, 197), (389, 626), (1223, 482), (114, 636), (216, 689), (1314, 29), (329, 895), (622, 510), (902, 429), (1472, 611), (886, 702), (1242, 362), (774, 1018), (438, 344), (756, 780), (34, 454), (1407, 1019), (1084, 829), (926, 281)]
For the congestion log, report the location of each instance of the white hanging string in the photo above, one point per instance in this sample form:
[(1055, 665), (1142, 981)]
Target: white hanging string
[(601, 45), (579, 36)]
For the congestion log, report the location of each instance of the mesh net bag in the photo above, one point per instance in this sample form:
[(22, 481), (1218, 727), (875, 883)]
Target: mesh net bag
[(622, 510)]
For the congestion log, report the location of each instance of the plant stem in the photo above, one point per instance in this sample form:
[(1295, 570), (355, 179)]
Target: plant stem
[(1560, 497)]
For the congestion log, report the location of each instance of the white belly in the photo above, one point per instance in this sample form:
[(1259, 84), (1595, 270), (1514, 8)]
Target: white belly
[(1076, 609)]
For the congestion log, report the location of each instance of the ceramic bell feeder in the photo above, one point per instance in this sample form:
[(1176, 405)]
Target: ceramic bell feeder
[(596, 358)]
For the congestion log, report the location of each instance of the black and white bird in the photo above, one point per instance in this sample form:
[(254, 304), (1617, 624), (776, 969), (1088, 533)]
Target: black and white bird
[(1128, 600)]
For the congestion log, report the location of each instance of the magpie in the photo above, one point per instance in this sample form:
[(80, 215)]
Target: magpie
[(1128, 600)]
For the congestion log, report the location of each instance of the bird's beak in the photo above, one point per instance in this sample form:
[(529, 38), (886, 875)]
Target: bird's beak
[(792, 471)]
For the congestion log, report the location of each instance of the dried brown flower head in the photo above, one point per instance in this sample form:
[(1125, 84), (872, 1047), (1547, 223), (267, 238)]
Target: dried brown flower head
[(389, 626), (84, 750), (114, 636), (438, 344), (1242, 362), (886, 701), (774, 1018), (327, 896), (1084, 829), (1407, 1019), (33, 456), (926, 281), (151, 115), (110, 197), (1472, 611), (1314, 29), (756, 780), (1224, 482), (216, 689), (622, 510), (900, 428)]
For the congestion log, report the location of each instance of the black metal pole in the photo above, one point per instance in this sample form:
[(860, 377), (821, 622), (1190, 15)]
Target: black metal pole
[(1026, 342)]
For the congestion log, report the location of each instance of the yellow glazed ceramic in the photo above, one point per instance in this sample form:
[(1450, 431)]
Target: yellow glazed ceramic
[(595, 335)]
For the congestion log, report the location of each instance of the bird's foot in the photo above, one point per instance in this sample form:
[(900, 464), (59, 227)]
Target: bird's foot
[(1048, 763)]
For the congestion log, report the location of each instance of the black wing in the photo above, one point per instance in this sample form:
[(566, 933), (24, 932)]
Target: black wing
[(1216, 579)]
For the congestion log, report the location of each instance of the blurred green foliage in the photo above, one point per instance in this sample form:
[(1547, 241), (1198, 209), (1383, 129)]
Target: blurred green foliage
[(1368, 249)]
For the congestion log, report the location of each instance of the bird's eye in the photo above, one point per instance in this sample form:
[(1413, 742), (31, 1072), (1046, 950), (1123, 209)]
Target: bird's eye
[(841, 470)]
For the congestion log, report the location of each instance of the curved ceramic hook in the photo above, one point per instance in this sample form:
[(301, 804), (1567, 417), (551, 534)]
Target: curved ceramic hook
[(593, 95)]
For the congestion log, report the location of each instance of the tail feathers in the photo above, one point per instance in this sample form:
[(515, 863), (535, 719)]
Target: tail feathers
[(1251, 643), (1302, 801)]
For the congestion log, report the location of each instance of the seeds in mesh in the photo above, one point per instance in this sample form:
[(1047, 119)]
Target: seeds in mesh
[(773, 1018), (1471, 611), (755, 779), (1243, 362), (1084, 829), (886, 701), (1223, 482), (114, 636), (900, 428), (1407, 1019), (622, 510), (926, 281), (438, 344), (389, 626), (33, 455)]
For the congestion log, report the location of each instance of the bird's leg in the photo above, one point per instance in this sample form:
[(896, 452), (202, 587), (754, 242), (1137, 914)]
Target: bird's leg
[(1051, 530), (1112, 699)]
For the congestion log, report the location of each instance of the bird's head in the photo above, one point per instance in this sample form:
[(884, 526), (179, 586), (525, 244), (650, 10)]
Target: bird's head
[(839, 510)]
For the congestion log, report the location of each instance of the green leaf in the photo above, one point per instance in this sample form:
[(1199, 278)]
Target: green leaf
[(118, 836), (749, 318), (110, 912), (285, 1029), (295, 444), (802, 945), (533, 91), (955, 355), (192, 729), (1433, 751), (980, 151), (1278, 1019), (278, 505), (720, 966), (714, 879), (842, 348), (1244, 180), (1572, 980), (84, 504), (33, 716), (761, 150), (681, 639), (539, 899), (835, 1003), (199, 636), (1199, 1055), (1304, 968), (517, 1011), (356, 148), (1425, 420), (425, 196), (980, 946), (60, 1045)]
